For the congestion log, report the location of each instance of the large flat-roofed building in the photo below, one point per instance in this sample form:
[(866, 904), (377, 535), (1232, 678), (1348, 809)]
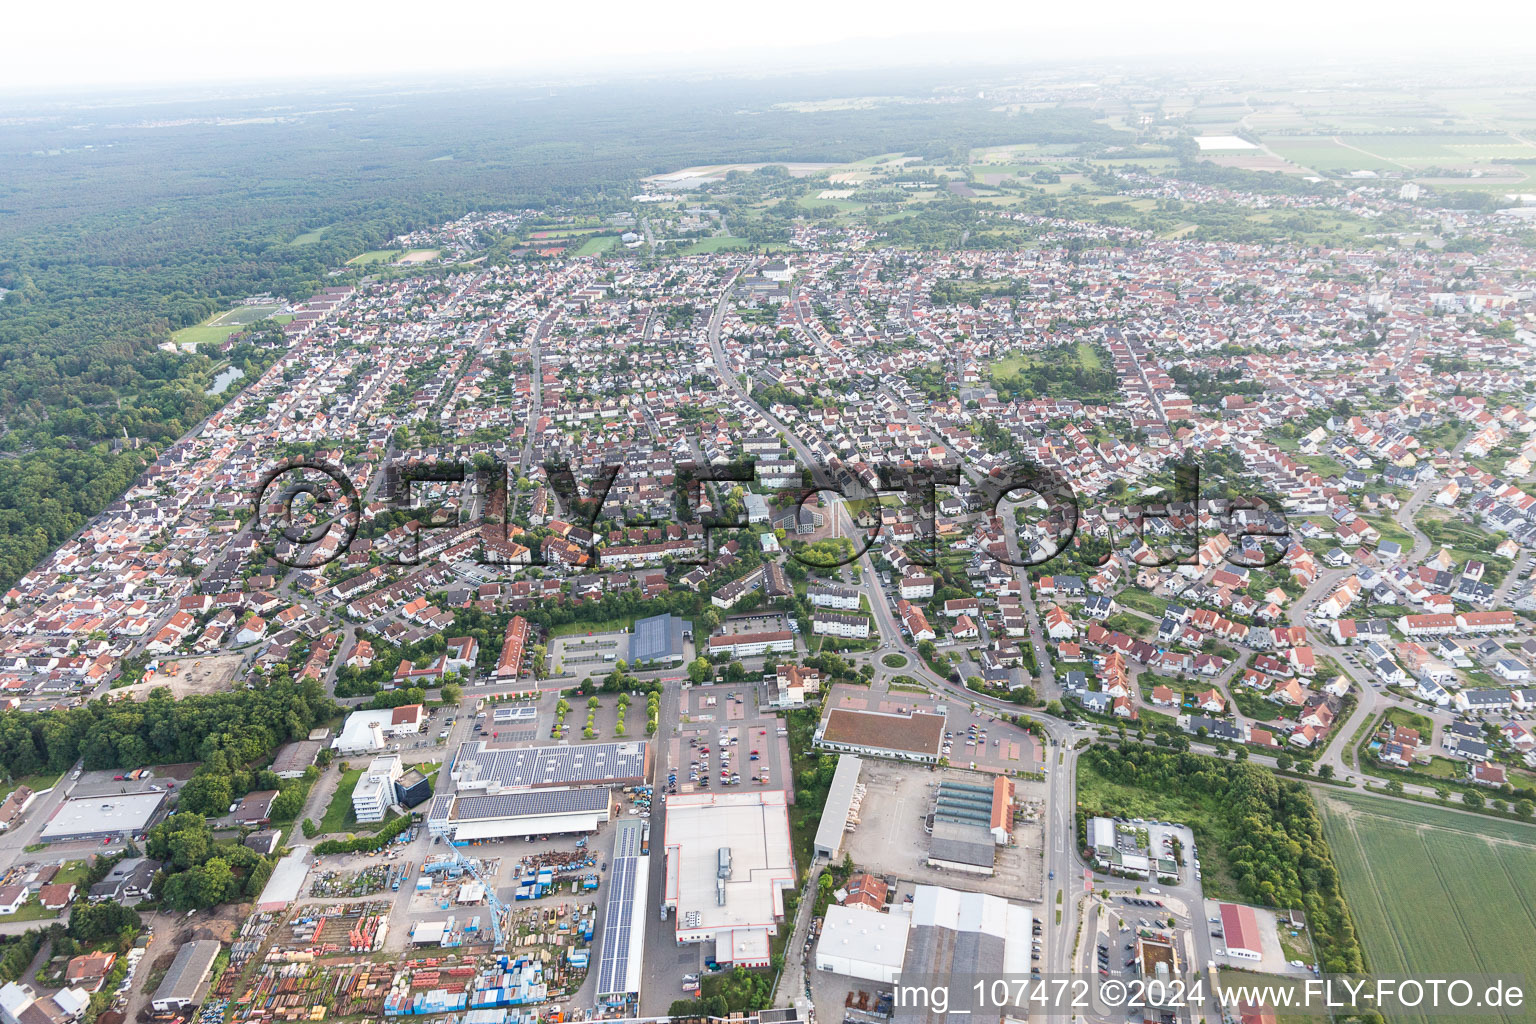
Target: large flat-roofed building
[(478, 766), (412, 788), (861, 943), (528, 812), (989, 807), (962, 846), (729, 861), (285, 883), (836, 811), (186, 982), (97, 817), (957, 937), (658, 640), (916, 736), (367, 732)]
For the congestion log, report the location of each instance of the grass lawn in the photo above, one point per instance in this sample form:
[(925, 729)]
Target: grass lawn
[(597, 244), (583, 628), (1141, 601), (1435, 890), (1410, 720), (894, 661), (718, 243), (374, 256), (338, 813), (72, 872), (220, 326), (308, 237), (32, 910), (36, 783)]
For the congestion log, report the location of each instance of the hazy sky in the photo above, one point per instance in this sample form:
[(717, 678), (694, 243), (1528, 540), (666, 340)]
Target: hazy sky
[(48, 46)]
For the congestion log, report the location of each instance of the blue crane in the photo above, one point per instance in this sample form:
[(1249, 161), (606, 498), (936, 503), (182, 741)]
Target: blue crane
[(497, 907)]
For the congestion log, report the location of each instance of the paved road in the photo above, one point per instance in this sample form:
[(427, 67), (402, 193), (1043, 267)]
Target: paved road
[(31, 827), (1063, 866)]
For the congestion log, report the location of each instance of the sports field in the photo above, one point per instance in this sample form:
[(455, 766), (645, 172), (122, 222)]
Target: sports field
[(1435, 892), (220, 326)]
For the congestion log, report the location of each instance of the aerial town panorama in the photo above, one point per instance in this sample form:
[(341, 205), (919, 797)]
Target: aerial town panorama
[(1047, 542)]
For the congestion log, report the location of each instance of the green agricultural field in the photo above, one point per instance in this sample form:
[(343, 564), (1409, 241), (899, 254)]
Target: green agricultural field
[(1435, 892), (1324, 154)]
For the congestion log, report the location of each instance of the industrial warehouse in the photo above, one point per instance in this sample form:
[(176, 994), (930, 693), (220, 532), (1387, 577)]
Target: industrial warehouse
[(943, 935), (914, 736), (507, 815), (101, 817), (619, 966), (479, 766), (729, 861)]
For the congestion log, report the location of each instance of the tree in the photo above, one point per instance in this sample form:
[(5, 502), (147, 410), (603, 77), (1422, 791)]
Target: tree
[(452, 693), (183, 840), (698, 670), (1395, 787), (1325, 771), (1524, 809), (1442, 794), (206, 793), (1472, 800), (1283, 762)]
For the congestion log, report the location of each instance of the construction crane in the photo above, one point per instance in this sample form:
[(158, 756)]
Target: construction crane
[(497, 907)]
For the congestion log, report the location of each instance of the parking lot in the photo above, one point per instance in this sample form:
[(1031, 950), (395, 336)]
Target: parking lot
[(978, 739), (895, 840), (726, 741), (577, 657)]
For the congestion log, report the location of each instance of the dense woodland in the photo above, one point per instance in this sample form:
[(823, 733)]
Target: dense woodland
[(229, 733), (123, 222)]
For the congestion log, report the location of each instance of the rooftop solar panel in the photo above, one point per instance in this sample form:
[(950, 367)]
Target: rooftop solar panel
[(614, 975), (553, 766), (538, 801)]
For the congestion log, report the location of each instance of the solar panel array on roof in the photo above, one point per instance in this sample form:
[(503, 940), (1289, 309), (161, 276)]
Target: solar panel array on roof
[(613, 967), (657, 638), (564, 765), (618, 967), (538, 801)]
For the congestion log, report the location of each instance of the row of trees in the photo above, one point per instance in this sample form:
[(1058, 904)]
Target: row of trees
[(228, 732)]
